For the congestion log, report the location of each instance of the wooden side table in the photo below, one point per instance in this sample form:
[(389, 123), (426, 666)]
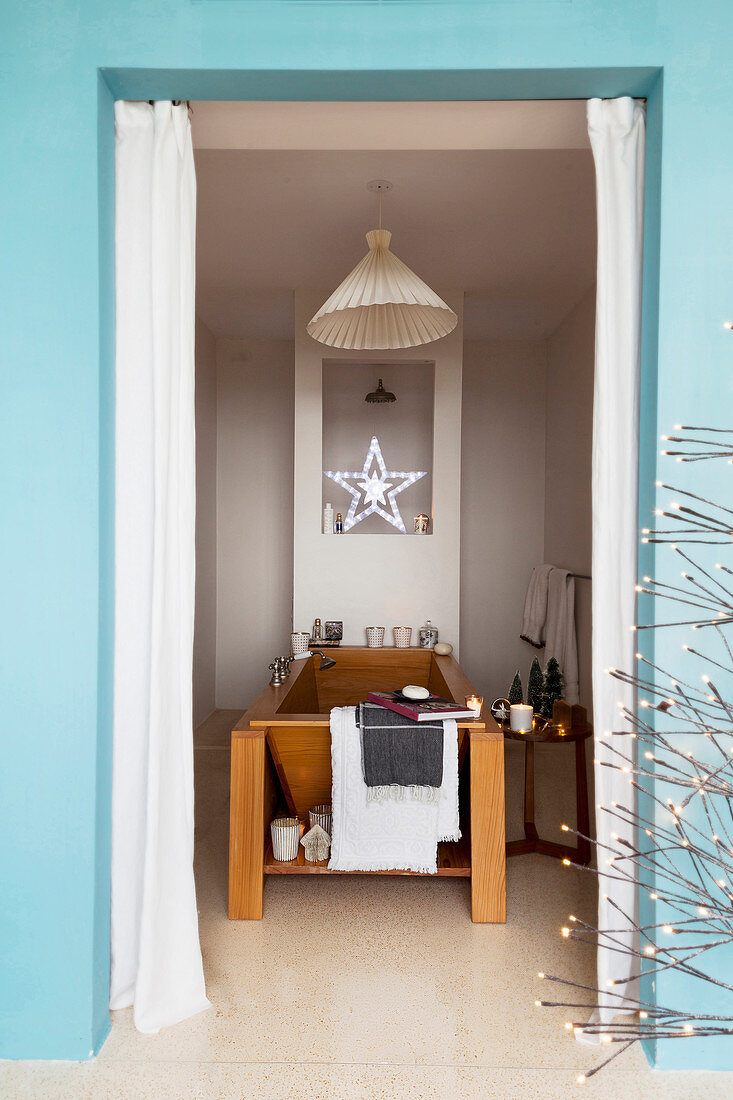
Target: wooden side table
[(533, 842)]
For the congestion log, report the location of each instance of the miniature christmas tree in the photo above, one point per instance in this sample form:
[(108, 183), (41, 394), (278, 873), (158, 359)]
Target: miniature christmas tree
[(554, 687), (535, 686), (516, 694)]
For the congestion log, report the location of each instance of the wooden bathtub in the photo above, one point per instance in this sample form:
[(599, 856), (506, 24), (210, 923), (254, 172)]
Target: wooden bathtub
[(281, 760)]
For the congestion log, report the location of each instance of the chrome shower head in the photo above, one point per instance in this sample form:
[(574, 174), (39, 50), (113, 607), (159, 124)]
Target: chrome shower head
[(326, 662)]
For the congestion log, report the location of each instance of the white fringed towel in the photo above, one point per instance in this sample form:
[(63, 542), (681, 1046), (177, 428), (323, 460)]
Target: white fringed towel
[(560, 639), (549, 621), (394, 835)]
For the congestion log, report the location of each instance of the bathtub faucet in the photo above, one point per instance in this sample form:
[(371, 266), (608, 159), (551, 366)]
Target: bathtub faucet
[(280, 668)]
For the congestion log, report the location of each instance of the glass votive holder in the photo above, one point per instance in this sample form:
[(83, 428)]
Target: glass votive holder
[(321, 815), (285, 832), (421, 524), (475, 703)]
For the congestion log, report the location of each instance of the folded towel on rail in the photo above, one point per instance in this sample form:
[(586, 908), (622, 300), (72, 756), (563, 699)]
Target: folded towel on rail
[(400, 758), (535, 606), (396, 835), (560, 639)]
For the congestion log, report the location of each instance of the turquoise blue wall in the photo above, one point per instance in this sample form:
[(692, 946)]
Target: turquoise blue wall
[(56, 399)]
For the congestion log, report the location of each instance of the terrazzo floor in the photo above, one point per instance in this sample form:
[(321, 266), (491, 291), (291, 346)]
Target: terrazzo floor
[(370, 987)]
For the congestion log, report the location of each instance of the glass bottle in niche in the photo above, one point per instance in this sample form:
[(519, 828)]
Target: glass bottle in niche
[(428, 635)]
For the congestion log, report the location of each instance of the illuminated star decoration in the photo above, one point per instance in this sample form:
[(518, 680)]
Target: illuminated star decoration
[(377, 486)]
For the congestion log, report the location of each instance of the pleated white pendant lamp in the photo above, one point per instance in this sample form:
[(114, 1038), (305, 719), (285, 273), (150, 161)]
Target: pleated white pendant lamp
[(382, 303)]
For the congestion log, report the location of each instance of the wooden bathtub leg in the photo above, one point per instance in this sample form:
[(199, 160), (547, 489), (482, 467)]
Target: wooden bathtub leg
[(488, 850), (246, 826)]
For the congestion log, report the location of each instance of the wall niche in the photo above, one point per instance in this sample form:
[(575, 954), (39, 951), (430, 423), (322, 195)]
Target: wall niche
[(377, 457), (373, 579)]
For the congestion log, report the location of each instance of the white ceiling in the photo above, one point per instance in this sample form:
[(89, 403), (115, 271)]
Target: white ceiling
[(512, 223), (483, 124)]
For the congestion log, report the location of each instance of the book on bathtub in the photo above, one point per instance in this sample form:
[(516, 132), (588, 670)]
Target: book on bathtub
[(422, 710)]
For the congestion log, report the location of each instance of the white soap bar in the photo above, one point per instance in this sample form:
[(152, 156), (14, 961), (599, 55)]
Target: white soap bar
[(412, 691), (443, 649)]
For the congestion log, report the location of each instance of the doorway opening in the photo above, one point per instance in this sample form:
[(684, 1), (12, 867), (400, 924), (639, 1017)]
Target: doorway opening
[(493, 205)]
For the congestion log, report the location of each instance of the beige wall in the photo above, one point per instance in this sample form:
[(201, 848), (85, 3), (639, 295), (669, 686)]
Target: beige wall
[(373, 579), (568, 527), (204, 642), (526, 490), (254, 513), (525, 498), (502, 504)]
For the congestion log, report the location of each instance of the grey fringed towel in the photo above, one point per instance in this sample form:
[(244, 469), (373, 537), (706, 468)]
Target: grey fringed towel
[(399, 753)]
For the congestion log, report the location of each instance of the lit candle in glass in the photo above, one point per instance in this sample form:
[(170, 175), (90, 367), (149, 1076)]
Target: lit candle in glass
[(521, 718), (475, 703), (421, 522)]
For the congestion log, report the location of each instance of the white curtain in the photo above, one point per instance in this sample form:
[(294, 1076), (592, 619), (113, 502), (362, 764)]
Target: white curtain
[(617, 134), (156, 957)]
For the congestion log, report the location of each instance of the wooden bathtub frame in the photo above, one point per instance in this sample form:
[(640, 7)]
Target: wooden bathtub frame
[(281, 756)]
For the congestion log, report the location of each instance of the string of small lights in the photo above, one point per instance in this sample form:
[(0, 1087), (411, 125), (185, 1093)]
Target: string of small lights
[(682, 804)]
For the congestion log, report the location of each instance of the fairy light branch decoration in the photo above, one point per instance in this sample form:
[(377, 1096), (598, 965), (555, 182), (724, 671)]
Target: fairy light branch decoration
[(683, 821)]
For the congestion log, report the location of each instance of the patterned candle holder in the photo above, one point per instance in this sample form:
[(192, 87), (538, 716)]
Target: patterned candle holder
[(299, 642), (402, 636), (375, 637)]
